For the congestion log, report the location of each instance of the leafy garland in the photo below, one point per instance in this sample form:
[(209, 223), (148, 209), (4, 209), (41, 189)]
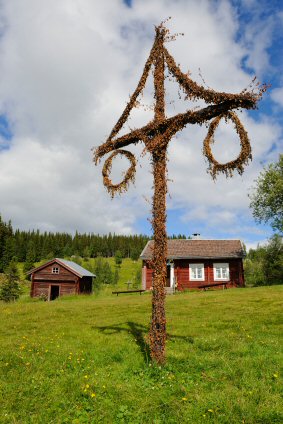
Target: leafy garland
[(245, 155), (130, 174)]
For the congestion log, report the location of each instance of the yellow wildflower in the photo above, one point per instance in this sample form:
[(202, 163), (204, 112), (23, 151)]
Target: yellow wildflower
[(275, 375)]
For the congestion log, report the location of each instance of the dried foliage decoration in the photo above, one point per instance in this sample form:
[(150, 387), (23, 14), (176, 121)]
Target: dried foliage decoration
[(244, 156), (156, 135), (130, 174)]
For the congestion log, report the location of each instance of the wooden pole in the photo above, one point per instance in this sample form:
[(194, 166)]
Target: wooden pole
[(159, 156)]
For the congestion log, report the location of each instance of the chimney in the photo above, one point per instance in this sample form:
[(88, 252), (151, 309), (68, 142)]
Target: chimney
[(196, 236)]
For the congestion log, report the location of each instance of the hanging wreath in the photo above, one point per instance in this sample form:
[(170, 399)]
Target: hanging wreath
[(245, 153), (130, 174)]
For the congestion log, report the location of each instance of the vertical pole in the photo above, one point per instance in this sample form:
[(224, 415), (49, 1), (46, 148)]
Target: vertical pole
[(158, 322)]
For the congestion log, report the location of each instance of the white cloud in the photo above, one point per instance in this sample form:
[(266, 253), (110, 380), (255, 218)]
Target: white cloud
[(67, 68), (277, 96)]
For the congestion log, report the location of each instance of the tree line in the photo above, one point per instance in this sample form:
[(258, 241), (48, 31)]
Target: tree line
[(34, 246)]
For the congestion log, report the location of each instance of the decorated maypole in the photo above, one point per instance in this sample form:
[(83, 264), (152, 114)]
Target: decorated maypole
[(156, 136)]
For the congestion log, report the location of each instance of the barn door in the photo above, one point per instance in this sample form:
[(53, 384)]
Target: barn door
[(54, 292)]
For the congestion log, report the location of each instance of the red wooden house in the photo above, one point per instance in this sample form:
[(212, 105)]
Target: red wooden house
[(195, 263), (59, 277)]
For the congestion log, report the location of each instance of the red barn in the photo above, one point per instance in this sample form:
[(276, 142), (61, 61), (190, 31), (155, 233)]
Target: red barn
[(195, 263), (59, 277)]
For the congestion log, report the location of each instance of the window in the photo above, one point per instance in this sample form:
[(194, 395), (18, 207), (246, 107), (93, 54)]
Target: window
[(55, 270), (221, 271), (197, 272)]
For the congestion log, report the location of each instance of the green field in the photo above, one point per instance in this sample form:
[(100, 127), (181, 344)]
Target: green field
[(85, 359)]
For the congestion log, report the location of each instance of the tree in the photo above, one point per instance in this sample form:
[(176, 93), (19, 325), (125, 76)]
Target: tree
[(116, 277), (264, 265), (10, 289), (135, 254), (267, 196), (254, 267), (86, 253), (30, 258), (103, 272), (273, 260), (118, 258), (137, 279), (6, 235), (8, 252), (107, 274)]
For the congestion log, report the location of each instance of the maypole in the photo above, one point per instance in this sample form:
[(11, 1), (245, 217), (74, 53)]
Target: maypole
[(156, 136)]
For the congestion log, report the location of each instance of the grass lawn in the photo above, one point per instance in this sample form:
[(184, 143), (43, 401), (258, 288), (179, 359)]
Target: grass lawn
[(84, 359)]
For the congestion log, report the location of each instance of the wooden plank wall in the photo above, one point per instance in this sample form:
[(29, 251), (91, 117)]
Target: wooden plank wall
[(43, 288), (182, 273)]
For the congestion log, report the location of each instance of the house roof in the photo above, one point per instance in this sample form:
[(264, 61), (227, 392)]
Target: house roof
[(198, 249), (72, 266)]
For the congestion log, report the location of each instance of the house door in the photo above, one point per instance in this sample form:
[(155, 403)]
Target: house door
[(54, 292), (168, 276)]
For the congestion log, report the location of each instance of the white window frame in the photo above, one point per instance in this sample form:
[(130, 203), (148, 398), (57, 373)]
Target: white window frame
[(55, 270), (222, 266), (193, 267)]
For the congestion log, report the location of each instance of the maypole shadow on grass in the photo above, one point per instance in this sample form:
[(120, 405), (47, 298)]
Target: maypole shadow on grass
[(156, 136)]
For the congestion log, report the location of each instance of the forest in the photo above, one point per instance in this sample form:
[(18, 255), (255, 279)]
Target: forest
[(33, 246), (263, 265)]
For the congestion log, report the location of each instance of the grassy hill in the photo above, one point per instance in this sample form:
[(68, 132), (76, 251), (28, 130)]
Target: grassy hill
[(85, 360)]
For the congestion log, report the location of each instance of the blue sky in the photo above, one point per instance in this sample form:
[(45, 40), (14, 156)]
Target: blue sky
[(5, 133), (62, 91)]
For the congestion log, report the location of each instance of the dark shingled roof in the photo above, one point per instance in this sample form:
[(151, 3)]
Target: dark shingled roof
[(202, 249)]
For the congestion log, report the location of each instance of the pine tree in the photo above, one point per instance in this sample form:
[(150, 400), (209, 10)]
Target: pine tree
[(118, 258), (10, 289), (135, 254)]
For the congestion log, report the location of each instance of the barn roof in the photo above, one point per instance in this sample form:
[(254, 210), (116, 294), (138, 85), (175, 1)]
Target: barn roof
[(72, 266), (75, 267), (198, 249)]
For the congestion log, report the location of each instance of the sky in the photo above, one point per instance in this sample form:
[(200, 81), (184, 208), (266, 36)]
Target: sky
[(67, 70)]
